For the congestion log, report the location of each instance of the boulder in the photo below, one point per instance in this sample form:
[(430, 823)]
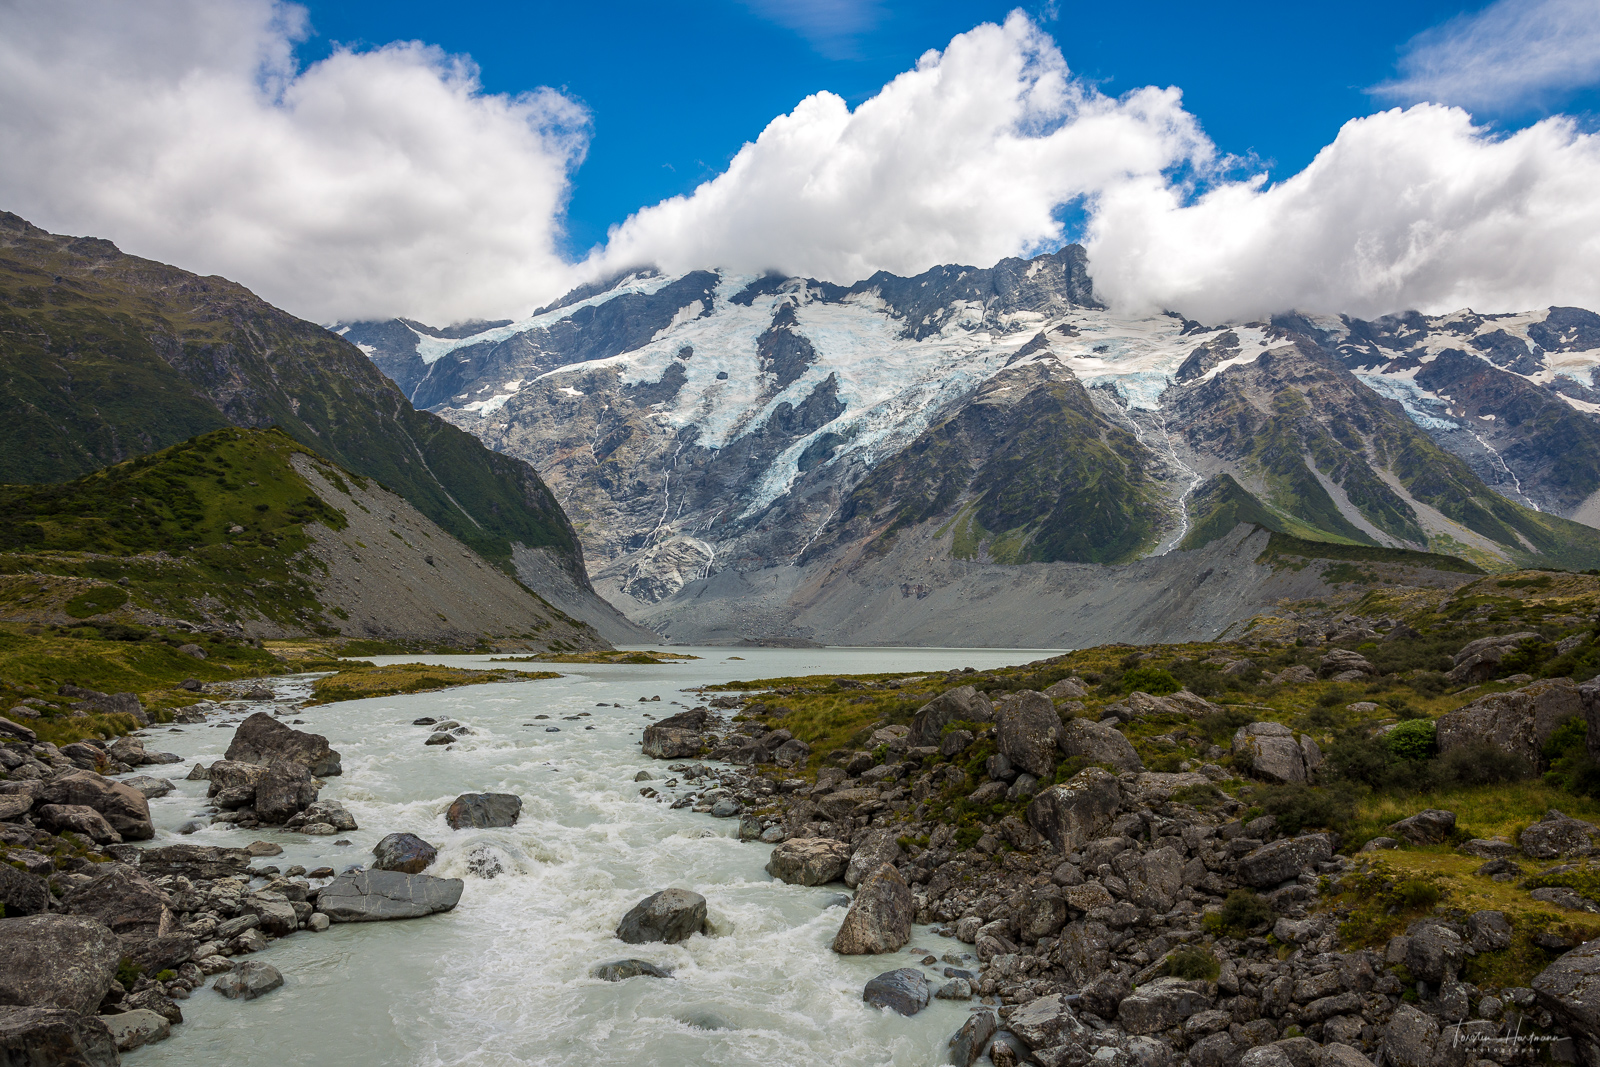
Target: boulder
[(137, 1028), (108, 703), (809, 861), (56, 961), (879, 919), (284, 791), (1027, 728), (846, 803), (404, 853), (677, 736), (482, 810), (1098, 743), (1281, 861), (124, 808), (195, 862), (125, 901), (156, 954), (1488, 931), (876, 849), (1161, 1005), (791, 752), (904, 990), (248, 980), (233, 774), (963, 704), (1569, 989), (969, 1042), (622, 970), (80, 819), (1342, 661), (955, 742), (1557, 835), (1479, 660), (1409, 1039), (16, 731), (1046, 1022), (22, 893), (1271, 751), (45, 1037), (1434, 953), (326, 813), (148, 787), (1520, 722), (1075, 812), (373, 896), (1431, 827), (672, 915), (264, 740), (1068, 689)]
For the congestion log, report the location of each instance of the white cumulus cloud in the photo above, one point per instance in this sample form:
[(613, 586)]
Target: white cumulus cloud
[(1509, 55), (371, 183)]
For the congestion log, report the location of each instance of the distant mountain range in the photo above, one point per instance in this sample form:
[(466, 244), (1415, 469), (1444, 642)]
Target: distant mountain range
[(756, 456)]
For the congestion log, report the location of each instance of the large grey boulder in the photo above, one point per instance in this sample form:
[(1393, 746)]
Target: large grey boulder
[(963, 704), (373, 896), (284, 791), (677, 736), (672, 915), (45, 1037), (969, 1042), (1339, 661), (1072, 814), (1557, 835), (1430, 827), (904, 990), (125, 902), (1046, 1022), (249, 980), (137, 1028), (124, 808), (264, 740), (1026, 728), (1281, 861), (876, 849), (1520, 722), (1569, 989), (1272, 752), (483, 810), (56, 961), (405, 853), (1410, 1037), (80, 819), (1098, 743), (22, 893), (809, 861), (1161, 1004), (1434, 953), (1479, 660), (195, 862), (879, 919)]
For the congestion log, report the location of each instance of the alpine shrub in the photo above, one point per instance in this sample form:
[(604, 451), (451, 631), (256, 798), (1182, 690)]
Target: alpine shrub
[(1413, 739)]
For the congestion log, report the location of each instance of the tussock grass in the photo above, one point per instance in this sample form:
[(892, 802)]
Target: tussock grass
[(359, 681)]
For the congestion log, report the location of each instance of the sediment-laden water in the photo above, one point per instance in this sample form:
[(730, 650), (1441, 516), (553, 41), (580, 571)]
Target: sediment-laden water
[(503, 979)]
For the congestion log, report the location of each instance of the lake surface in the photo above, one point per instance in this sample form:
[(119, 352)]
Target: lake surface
[(503, 979)]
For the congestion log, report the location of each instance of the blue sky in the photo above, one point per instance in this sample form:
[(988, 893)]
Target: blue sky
[(675, 89)]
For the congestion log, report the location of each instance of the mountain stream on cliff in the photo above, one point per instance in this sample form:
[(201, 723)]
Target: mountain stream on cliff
[(504, 978)]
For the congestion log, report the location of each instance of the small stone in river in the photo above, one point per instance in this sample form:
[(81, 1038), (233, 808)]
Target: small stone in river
[(621, 970), (317, 923), (484, 862), (424, 721), (249, 980), (541, 716), (320, 872), (671, 915), (644, 776), (552, 729), (439, 739), (588, 727), (959, 989), (264, 848), (706, 1020), (903, 990), (193, 826), (294, 872), (406, 853), (929, 961), (725, 808)]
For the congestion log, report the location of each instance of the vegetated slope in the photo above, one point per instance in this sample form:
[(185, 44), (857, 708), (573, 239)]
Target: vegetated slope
[(248, 532), (107, 356)]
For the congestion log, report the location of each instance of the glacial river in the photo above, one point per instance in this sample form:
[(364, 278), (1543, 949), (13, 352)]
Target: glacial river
[(504, 978)]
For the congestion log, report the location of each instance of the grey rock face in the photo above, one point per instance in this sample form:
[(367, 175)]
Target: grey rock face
[(1488, 931), (1161, 1005), (1272, 751), (264, 740), (45, 1037), (137, 1028), (405, 853), (1027, 727), (1098, 743), (124, 901), (372, 896), (124, 808), (284, 791), (1479, 660), (480, 810), (904, 990), (879, 919), (1075, 812), (149, 787), (672, 915), (962, 704), (876, 849), (968, 1043), (1569, 989), (809, 861), (1557, 835), (622, 970), (1434, 953), (206, 862), (1339, 661), (249, 980), (1410, 1037), (80, 819), (1282, 860), (1520, 722), (1428, 827), (1046, 1023), (56, 961)]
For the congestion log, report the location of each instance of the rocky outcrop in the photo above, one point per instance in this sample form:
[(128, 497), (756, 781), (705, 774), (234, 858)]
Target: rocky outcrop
[(1026, 729), (263, 740), (1282, 861), (249, 980), (46, 1037), (1569, 989), (124, 809), (483, 810), (1098, 743), (904, 990), (22, 893), (809, 861), (1430, 827), (1073, 813), (879, 919), (1520, 722), (1479, 660), (677, 736), (1270, 751), (962, 704), (374, 896), (876, 849), (403, 853), (671, 916), (56, 961), (1557, 835)]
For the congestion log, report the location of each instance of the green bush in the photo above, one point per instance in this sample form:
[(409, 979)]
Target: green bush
[(1241, 913), (1415, 894), (1193, 964), (128, 972), (1296, 807), (1413, 739), (1479, 763), (1152, 680)]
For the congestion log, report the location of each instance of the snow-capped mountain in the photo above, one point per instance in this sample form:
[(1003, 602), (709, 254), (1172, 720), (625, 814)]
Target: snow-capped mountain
[(775, 430)]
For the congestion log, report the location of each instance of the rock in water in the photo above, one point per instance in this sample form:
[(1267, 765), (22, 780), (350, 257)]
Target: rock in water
[(904, 990), (136, 1028), (1074, 813), (675, 737), (671, 915), (249, 980), (879, 919), (373, 896), (56, 961), (809, 861), (968, 1043), (39, 1037), (483, 810), (876, 849), (622, 970), (405, 853), (1027, 727), (262, 739)]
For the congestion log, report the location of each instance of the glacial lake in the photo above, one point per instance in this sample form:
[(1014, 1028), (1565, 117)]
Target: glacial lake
[(504, 978)]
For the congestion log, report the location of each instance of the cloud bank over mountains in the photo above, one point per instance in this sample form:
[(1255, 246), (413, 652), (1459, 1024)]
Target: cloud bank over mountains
[(387, 182)]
